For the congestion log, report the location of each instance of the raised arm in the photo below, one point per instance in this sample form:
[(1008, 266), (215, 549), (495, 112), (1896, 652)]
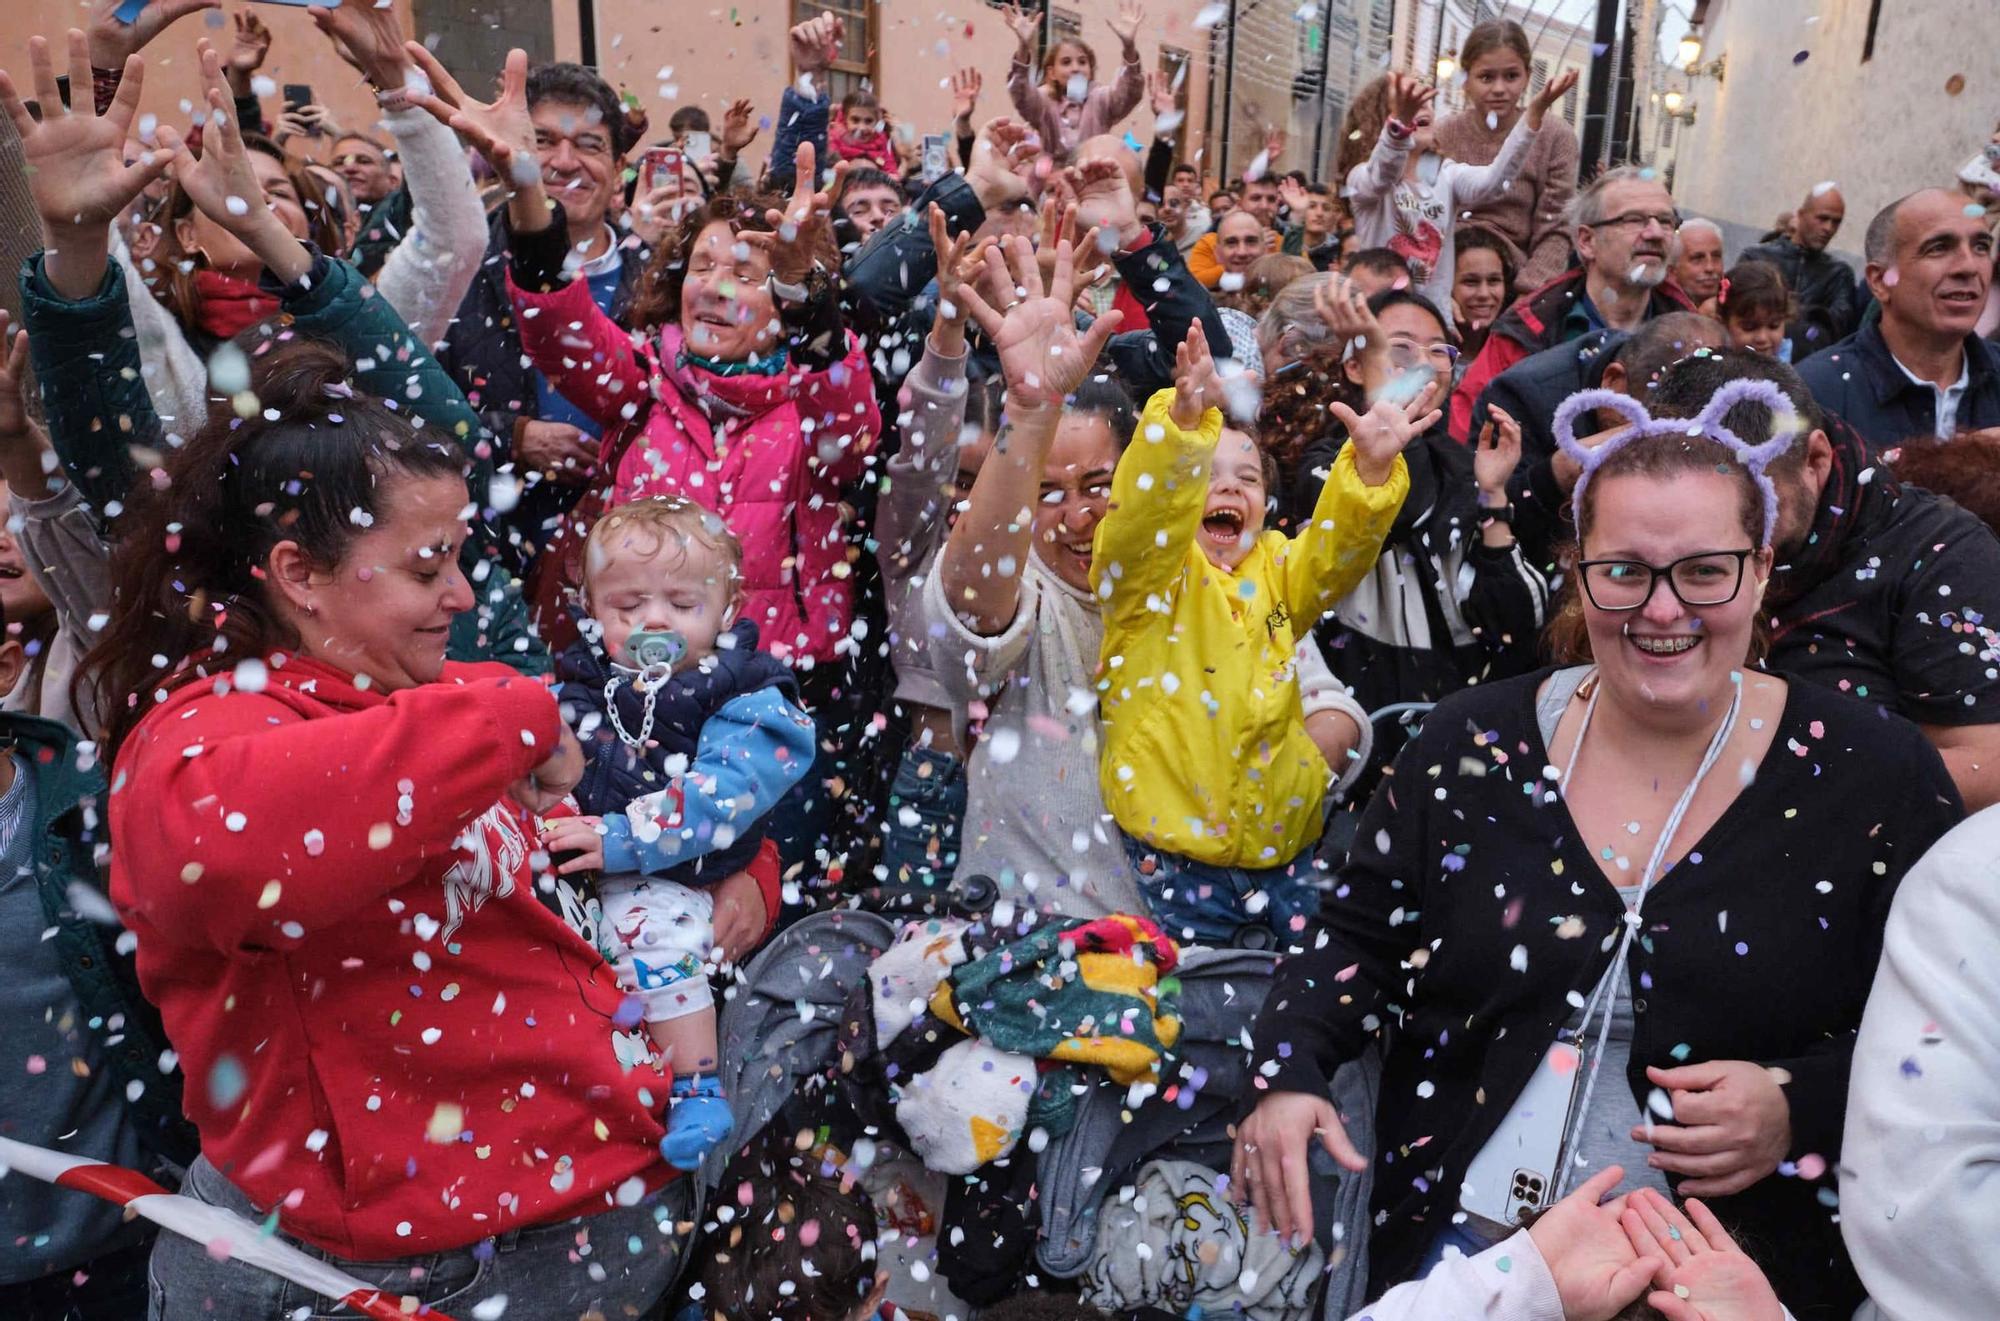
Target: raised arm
[(426, 275), (1378, 176), (1159, 491), (806, 103), (1044, 359), (1129, 88), (1473, 185), (1338, 545)]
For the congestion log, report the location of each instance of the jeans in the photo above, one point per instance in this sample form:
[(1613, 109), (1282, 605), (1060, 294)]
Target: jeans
[(1200, 904), (1470, 1238), (920, 829), (111, 1287), (617, 1263)]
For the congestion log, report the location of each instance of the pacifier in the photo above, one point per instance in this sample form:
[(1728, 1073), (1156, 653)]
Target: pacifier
[(655, 654)]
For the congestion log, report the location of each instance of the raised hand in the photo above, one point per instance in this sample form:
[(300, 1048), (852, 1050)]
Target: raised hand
[(224, 186), (1553, 92), (1126, 23), (739, 127), (965, 87), (1027, 26), (1385, 431), (1197, 388), (1498, 451), (958, 261), (1160, 90), (1408, 97), (500, 128), (1582, 1238), (1002, 157), (370, 36), (75, 162), (1104, 198), (13, 378), (816, 43), (1042, 356), (802, 226), (1293, 193), (113, 41), (27, 460), (246, 53), (1344, 308)]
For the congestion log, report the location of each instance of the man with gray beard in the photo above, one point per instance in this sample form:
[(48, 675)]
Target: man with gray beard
[(1624, 223)]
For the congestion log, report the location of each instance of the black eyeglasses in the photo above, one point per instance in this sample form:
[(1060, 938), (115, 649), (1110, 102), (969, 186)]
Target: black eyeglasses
[(1711, 578)]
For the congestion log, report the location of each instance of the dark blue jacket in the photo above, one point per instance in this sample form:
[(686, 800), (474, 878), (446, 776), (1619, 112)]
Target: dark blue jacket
[(1858, 380), (615, 773), (1530, 392), (69, 826)]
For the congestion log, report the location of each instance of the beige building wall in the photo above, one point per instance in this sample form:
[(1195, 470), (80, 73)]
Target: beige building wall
[(1771, 129), (716, 51)]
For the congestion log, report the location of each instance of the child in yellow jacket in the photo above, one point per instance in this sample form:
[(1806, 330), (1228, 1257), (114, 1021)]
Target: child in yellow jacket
[(1207, 766)]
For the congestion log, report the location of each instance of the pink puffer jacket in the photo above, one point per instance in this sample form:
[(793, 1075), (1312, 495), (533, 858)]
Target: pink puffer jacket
[(769, 454)]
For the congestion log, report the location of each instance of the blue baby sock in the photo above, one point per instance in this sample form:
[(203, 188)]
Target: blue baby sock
[(699, 1121)]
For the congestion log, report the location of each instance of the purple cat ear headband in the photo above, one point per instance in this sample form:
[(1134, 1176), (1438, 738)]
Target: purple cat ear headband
[(1708, 423)]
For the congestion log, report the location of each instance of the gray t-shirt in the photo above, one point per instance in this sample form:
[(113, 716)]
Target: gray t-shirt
[(56, 1089)]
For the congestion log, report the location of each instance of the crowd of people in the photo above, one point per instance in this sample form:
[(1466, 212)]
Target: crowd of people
[(593, 731)]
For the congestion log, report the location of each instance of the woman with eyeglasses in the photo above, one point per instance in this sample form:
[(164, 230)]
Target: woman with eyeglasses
[(1450, 600), (1624, 911)]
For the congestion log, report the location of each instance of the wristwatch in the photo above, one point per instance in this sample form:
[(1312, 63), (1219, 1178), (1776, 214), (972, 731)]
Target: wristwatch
[(1497, 514)]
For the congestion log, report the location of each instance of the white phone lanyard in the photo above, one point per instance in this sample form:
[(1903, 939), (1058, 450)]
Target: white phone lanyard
[(1606, 993)]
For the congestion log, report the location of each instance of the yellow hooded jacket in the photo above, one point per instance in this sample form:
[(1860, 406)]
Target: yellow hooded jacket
[(1206, 753)]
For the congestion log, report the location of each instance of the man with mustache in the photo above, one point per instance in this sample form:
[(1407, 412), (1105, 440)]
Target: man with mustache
[(581, 138), (1921, 370), (1624, 223)]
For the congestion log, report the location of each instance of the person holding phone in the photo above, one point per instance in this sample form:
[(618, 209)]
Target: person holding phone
[(1650, 873)]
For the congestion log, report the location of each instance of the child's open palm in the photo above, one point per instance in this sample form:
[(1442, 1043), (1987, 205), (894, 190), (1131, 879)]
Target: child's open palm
[(1197, 388), (1408, 97), (1385, 431)]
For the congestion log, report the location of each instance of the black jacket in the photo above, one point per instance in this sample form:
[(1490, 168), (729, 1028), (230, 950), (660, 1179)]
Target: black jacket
[(1823, 288), (1859, 380), (891, 300), (1894, 597), (1530, 392), (1440, 611), (482, 353), (615, 773), (1468, 855)]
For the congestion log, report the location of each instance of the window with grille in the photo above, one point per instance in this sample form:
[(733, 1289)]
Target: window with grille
[(854, 66), (1540, 78), (1667, 126), (1174, 64), (1569, 105)]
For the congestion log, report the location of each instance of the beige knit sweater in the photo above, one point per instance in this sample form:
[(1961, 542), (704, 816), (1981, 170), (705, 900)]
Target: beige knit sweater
[(1530, 214)]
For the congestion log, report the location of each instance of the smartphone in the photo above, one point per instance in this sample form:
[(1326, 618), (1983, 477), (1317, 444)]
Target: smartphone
[(699, 146), (1516, 1171), (661, 167), (936, 158)]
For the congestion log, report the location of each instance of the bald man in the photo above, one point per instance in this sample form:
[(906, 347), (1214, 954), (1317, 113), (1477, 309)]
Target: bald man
[(1829, 303), (1921, 369)]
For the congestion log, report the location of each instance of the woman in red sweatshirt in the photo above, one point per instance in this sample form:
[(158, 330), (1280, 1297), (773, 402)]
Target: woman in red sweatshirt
[(323, 840)]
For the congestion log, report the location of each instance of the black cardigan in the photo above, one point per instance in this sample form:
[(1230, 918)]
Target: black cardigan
[(1468, 857)]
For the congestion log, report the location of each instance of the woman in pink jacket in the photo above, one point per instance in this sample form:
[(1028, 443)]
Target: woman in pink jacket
[(738, 388)]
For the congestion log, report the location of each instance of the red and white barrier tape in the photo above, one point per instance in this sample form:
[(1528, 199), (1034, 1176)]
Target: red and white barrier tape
[(211, 1226)]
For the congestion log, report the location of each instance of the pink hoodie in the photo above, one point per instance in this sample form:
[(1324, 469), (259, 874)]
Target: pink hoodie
[(769, 453)]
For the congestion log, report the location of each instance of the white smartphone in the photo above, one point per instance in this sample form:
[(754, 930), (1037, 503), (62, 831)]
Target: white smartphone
[(1516, 1170), (937, 157), (699, 146)]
